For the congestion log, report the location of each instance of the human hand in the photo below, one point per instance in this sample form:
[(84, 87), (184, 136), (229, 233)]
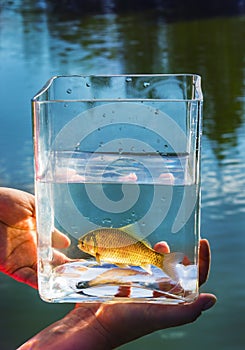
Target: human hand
[(18, 256), (99, 326), (88, 326)]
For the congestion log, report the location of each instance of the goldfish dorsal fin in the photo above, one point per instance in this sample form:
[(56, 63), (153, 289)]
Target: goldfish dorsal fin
[(134, 231)]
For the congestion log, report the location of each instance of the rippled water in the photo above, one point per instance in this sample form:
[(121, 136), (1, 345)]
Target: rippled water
[(143, 41)]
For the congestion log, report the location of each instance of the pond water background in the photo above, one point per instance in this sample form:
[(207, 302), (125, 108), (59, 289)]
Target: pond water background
[(37, 42)]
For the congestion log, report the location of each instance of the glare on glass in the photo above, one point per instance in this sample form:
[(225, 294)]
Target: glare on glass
[(117, 170)]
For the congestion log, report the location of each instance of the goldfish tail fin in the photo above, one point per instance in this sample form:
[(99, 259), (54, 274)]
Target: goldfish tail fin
[(170, 261)]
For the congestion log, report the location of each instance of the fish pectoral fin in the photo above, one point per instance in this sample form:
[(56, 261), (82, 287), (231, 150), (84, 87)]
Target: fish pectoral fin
[(97, 257), (123, 266), (147, 268)]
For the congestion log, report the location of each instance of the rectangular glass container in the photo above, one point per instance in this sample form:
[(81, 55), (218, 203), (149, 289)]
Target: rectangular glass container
[(117, 185)]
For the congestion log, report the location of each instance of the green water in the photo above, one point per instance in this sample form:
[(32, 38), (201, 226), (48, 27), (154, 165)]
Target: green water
[(141, 41)]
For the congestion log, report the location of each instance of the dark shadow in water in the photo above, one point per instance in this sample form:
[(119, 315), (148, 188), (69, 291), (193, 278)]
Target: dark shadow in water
[(172, 10)]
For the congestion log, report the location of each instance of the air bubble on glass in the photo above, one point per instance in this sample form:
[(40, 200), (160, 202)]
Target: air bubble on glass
[(77, 146), (106, 221)]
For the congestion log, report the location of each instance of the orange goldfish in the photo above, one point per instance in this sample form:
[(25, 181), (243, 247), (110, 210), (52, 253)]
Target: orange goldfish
[(120, 247)]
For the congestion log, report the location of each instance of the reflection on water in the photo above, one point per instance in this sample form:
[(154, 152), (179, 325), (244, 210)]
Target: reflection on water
[(148, 39)]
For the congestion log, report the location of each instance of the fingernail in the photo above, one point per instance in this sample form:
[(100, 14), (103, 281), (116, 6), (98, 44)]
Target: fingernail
[(209, 304)]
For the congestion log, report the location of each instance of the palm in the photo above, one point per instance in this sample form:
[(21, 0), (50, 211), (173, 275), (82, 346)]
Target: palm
[(106, 326), (18, 255), (17, 235)]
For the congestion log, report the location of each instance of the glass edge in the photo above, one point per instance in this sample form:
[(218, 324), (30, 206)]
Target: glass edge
[(196, 83), (198, 87), (46, 86)]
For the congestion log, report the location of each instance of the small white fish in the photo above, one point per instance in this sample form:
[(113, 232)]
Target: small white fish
[(114, 276)]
